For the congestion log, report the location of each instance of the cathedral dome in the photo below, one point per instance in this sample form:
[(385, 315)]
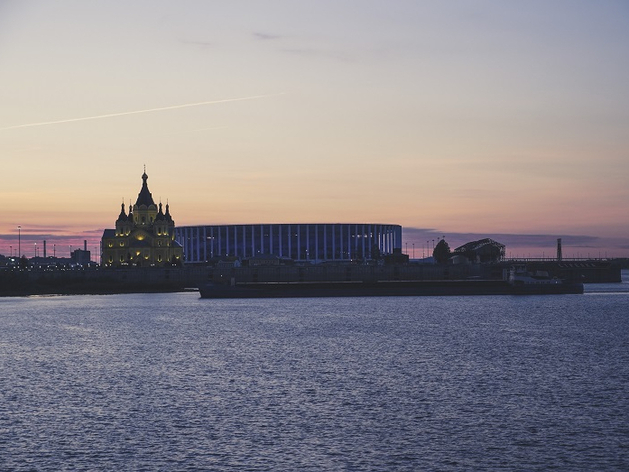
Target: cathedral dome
[(144, 197)]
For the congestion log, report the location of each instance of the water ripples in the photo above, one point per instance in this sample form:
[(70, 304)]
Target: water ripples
[(172, 382)]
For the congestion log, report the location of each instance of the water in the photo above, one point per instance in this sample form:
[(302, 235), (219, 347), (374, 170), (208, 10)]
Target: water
[(173, 382)]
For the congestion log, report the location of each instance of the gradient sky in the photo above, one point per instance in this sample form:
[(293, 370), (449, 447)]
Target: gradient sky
[(458, 118)]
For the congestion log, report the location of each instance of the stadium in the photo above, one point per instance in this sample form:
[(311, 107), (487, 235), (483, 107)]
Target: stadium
[(312, 243)]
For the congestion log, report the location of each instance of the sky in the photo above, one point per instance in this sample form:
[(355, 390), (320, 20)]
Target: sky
[(463, 119)]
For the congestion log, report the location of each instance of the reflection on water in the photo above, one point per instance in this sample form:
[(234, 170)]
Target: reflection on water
[(173, 382)]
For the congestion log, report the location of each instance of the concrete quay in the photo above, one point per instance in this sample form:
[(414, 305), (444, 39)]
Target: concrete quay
[(155, 279)]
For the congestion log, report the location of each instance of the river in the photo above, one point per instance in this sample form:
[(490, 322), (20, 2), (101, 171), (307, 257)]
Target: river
[(151, 382)]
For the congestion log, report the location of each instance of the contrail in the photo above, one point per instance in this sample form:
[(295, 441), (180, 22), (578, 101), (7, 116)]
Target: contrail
[(137, 112)]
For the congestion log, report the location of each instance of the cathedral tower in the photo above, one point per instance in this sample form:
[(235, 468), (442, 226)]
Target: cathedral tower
[(143, 238)]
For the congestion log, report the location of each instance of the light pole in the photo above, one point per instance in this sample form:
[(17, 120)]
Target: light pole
[(413, 250), (19, 241)]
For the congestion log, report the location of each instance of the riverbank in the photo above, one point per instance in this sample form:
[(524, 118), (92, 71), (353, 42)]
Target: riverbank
[(173, 279)]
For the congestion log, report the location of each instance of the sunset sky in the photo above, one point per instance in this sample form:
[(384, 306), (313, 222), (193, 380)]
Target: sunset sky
[(468, 119)]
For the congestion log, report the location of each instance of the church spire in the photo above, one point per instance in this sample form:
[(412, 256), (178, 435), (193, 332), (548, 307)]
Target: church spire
[(123, 215), (167, 214), (145, 197), (160, 213)]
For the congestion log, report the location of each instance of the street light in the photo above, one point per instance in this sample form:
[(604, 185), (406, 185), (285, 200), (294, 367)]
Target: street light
[(19, 241)]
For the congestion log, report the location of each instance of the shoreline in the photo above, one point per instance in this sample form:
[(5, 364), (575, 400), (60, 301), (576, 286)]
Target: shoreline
[(439, 278)]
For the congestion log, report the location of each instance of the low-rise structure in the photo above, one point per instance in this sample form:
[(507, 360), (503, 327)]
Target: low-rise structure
[(482, 251)]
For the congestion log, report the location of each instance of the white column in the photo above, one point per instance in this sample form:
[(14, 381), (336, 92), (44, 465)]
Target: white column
[(385, 235), (220, 241), (189, 243), (362, 237), (342, 242), (341, 227), (253, 241), (184, 235), (350, 249), (212, 240), (382, 240), (244, 242), (204, 243)]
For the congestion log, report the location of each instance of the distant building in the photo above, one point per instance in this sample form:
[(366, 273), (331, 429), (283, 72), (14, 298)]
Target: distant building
[(304, 243), (143, 237), (80, 256), (481, 251)]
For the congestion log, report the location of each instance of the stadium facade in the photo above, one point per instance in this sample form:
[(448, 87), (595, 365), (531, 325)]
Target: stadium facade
[(314, 243)]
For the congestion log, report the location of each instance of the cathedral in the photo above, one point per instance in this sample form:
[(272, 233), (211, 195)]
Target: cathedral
[(143, 238)]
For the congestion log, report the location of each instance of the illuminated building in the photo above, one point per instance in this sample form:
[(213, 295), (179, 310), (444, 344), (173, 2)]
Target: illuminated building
[(144, 237), (314, 243)]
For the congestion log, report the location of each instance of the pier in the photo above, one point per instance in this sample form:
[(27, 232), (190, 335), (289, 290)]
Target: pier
[(169, 279)]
